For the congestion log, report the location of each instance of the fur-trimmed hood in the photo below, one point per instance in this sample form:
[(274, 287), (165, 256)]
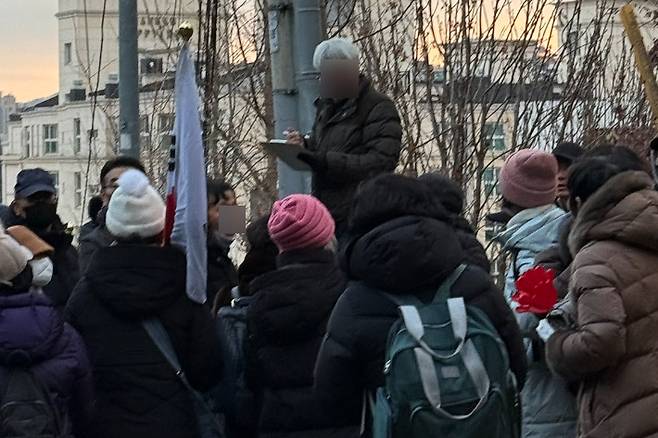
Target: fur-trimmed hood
[(625, 209)]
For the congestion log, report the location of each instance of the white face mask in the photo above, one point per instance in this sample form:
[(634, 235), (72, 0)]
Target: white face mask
[(42, 271)]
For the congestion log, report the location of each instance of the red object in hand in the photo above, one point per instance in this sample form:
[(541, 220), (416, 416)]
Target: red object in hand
[(535, 292)]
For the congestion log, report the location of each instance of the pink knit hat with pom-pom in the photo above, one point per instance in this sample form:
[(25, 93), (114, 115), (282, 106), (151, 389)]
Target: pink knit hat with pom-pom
[(300, 221)]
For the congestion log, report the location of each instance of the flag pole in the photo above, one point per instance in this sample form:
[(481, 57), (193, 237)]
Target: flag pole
[(185, 32), (190, 223)]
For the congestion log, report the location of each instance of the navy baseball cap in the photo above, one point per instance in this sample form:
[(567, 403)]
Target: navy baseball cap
[(31, 181)]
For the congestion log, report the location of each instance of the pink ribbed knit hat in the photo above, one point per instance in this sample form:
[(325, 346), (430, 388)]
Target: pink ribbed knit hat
[(300, 221), (529, 178)]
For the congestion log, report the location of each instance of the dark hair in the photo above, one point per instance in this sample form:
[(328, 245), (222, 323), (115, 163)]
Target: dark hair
[(589, 175), (445, 190), (121, 161), (217, 189), (257, 233), (622, 156), (94, 207), (388, 197)]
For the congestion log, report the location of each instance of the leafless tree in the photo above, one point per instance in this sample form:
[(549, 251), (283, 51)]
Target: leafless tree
[(476, 80)]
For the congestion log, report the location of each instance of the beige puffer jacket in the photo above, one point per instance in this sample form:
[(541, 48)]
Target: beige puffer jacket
[(614, 350)]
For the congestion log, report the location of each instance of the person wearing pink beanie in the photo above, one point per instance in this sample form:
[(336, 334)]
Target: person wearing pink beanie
[(300, 221), (287, 319), (528, 182)]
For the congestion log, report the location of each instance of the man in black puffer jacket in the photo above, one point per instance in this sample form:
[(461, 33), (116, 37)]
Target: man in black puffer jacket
[(138, 392), (397, 246), (287, 320)]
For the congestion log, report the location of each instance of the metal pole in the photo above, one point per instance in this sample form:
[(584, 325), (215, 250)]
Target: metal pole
[(128, 79), (283, 87), (307, 31)]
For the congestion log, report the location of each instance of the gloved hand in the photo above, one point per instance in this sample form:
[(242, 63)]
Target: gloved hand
[(535, 292), (317, 160)]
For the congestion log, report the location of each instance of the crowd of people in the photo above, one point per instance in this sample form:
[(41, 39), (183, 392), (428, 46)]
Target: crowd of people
[(310, 335)]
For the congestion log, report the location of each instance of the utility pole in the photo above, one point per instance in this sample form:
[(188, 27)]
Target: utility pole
[(128, 79), (294, 31), (307, 31)]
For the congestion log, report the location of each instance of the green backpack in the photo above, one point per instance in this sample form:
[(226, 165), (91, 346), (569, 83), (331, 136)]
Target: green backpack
[(446, 373)]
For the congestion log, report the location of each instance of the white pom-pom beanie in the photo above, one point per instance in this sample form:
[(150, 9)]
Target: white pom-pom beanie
[(136, 208)]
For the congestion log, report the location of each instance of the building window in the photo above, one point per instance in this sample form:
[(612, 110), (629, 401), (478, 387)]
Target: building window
[(165, 126), (572, 42), (143, 124), (77, 139), (490, 181), (144, 130), (166, 123), (28, 140), (77, 185), (67, 53), (55, 176), (150, 66), (50, 139), (77, 136), (494, 134)]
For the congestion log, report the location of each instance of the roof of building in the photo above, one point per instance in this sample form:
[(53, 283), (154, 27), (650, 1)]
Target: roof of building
[(43, 102)]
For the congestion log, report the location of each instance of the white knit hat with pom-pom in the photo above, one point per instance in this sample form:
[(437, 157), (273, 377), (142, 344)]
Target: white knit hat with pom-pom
[(136, 208)]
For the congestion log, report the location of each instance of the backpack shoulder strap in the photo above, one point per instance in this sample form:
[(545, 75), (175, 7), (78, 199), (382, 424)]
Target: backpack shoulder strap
[(443, 294)]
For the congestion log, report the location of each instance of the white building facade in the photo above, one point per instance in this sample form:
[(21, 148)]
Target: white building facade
[(56, 133)]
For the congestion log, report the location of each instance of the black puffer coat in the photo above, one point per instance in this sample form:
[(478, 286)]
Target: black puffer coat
[(97, 239), (407, 255), (473, 249), (222, 274), (287, 320), (138, 392), (354, 141)]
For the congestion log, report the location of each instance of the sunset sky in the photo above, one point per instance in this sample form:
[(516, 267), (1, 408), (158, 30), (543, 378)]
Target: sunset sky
[(28, 48)]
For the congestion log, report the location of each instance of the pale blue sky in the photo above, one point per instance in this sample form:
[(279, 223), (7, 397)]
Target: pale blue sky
[(28, 48)]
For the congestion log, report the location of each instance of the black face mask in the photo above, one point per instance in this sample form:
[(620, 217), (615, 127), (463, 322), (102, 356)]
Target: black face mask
[(40, 216)]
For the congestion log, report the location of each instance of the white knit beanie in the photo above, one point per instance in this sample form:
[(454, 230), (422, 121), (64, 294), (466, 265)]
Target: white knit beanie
[(136, 208), (13, 257)]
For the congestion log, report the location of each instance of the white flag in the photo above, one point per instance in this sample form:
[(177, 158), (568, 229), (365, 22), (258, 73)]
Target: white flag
[(191, 218)]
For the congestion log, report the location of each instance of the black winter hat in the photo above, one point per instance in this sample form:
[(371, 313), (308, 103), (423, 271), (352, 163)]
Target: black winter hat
[(388, 197), (568, 151), (446, 191)]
